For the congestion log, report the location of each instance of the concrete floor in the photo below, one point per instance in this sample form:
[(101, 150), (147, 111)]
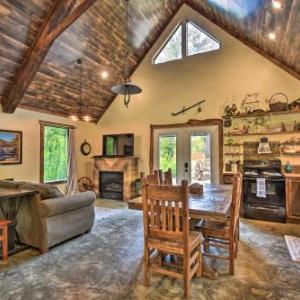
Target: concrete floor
[(107, 264)]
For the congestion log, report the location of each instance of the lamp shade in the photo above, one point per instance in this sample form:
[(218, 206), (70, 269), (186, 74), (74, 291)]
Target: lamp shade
[(126, 88), (264, 146)]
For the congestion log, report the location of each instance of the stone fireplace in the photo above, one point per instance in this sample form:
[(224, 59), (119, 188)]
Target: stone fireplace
[(115, 177)]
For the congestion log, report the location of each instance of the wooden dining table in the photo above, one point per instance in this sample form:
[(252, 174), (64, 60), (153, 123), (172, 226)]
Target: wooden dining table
[(213, 204)]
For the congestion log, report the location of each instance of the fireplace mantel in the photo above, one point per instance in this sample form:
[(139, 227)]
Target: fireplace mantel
[(128, 165)]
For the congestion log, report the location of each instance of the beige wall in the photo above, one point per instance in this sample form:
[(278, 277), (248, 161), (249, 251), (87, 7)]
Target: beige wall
[(28, 123), (234, 70)]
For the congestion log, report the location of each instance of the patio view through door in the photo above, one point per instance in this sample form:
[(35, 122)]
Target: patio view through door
[(188, 152)]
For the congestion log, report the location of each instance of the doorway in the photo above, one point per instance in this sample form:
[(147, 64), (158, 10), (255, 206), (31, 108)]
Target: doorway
[(193, 152)]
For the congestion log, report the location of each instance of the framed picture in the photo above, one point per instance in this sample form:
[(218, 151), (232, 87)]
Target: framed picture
[(10, 147)]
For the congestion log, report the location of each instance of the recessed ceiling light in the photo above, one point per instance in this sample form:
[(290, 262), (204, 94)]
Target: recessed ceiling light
[(87, 118), (272, 36), (74, 118), (277, 4), (104, 74)]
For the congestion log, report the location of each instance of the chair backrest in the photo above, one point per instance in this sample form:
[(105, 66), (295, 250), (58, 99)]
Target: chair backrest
[(159, 174), (166, 212), (236, 201), (168, 177), (152, 179)]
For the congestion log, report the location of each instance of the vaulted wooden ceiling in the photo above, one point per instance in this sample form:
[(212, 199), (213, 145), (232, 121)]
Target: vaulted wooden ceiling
[(97, 37)]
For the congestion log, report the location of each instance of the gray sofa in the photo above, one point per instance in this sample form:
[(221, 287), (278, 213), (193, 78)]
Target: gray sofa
[(49, 217)]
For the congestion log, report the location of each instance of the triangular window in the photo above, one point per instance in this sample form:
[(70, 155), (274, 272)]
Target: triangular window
[(171, 50), (187, 39), (198, 41)]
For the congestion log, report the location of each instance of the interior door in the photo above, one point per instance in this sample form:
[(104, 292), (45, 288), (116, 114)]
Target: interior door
[(191, 152)]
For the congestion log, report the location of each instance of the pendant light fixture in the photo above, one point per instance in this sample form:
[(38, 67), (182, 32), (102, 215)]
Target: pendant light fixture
[(80, 117), (126, 88)]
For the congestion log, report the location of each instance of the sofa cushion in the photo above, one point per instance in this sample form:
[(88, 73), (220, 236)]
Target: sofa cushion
[(47, 191), (10, 183), (57, 206)]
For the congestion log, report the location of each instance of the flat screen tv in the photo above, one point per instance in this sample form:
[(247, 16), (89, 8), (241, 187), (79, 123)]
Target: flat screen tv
[(118, 144)]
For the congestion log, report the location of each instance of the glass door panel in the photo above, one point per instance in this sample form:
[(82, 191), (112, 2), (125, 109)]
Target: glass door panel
[(167, 154), (200, 158)]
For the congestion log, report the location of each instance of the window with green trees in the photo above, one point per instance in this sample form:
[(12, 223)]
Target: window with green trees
[(167, 153), (55, 153), (186, 39)]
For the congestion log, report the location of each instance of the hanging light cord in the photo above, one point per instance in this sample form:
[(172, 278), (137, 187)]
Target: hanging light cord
[(126, 74)]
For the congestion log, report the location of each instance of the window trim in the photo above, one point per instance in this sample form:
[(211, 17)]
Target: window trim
[(184, 44), (157, 53), (206, 33), (44, 124)]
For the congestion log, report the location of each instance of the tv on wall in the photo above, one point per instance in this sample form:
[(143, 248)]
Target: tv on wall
[(118, 144)]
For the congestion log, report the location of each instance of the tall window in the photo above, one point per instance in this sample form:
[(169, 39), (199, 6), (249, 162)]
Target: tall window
[(187, 39), (54, 153), (167, 153)]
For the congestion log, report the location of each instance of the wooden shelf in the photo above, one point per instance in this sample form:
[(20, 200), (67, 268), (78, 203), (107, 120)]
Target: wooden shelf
[(262, 114), (265, 133), (234, 154), (291, 154), (234, 145)]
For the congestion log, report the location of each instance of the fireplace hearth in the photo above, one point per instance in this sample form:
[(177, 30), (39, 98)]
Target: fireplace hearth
[(111, 185), (115, 177)]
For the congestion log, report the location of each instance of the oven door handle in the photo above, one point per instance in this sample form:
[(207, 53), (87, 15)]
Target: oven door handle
[(267, 179), (265, 207)]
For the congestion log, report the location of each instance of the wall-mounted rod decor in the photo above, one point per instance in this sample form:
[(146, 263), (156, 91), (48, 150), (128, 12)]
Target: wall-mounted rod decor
[(184, 109)]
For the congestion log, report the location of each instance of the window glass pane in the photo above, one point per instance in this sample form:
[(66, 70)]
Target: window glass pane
[(110, 145), (167, 153), (200, 158), (199, 41), (55, 153), (172, 49)]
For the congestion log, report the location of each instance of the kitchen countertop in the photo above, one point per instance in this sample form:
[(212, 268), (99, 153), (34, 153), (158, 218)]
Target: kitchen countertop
[(291, 175)]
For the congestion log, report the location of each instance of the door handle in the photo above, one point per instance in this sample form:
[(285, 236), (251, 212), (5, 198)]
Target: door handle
[(186, 167)]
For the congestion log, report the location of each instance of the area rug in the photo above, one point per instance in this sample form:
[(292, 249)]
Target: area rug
[(107, 264), (293, 244)]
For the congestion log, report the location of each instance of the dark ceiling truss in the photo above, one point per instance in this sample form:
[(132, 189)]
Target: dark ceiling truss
[(93, 30)]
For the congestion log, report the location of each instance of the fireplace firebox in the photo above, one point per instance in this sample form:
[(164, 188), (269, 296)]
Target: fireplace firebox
[(111, 185)]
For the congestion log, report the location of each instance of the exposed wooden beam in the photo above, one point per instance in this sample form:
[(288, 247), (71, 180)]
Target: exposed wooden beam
[(69, 20), (53, 26)]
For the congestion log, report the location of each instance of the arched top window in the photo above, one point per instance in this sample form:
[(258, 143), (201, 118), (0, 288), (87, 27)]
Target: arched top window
[(186, 39)]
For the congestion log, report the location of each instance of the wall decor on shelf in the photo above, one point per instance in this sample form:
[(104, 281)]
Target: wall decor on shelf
[(10, 147)]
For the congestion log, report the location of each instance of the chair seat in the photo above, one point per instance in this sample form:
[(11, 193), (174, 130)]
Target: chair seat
[(175, 247), (213, 228)]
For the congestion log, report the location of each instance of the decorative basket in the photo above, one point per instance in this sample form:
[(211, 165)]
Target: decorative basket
[(278, 104)]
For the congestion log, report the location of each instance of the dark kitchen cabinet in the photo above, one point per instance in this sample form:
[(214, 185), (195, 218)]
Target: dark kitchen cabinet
[(292, 182)]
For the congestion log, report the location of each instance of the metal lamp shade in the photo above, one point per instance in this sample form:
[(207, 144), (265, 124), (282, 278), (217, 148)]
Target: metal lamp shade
[(126, 88)]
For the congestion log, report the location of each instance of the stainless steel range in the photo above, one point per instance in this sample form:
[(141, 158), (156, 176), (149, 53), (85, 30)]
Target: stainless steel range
[(264, 190)]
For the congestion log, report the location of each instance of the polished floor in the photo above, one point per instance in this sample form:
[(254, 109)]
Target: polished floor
[(107, 264)]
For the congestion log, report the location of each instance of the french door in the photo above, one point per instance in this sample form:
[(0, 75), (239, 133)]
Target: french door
[(191, 152)]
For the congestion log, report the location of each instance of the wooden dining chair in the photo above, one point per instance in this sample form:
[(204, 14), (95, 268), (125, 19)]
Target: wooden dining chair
[(168, 177), (159, 174), (166, 231), (4, 239), (224, 235)]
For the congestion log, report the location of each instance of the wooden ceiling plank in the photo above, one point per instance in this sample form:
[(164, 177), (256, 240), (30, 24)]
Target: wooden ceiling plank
[(69, 20), (34, 58)]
